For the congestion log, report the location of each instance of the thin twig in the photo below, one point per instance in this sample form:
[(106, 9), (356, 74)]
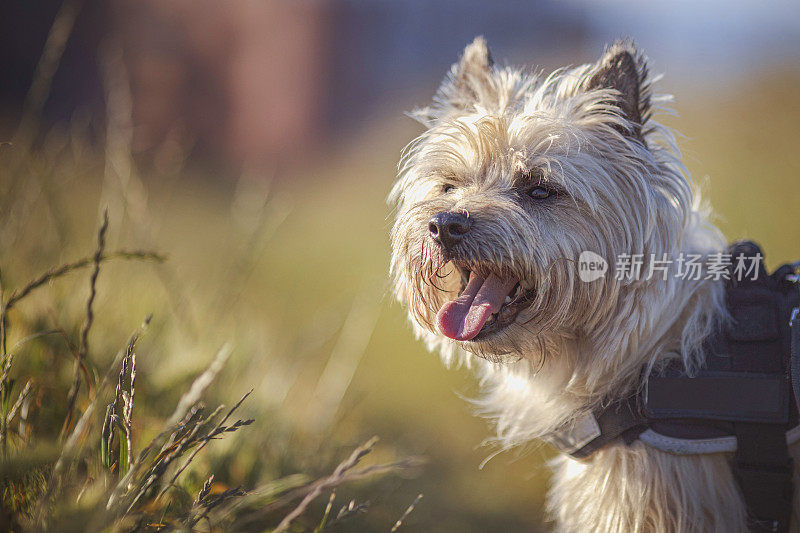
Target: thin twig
[(405, 514), (128, 410), (203, 444), (326, 513), (333, 479), (87, 326), (51, 274), (192, 396), (98, 256), (326, 483), (45, 70), (22, 395), (2, 319)]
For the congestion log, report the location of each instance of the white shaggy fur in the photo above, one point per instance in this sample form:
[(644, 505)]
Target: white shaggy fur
[(578, 345)]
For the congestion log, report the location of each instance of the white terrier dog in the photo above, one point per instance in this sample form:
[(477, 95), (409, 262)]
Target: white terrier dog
[(515, 176)]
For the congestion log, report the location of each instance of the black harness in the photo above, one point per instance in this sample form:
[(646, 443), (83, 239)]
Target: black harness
[(744, 400)]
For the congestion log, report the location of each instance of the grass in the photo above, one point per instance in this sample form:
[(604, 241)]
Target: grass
[(88, 477), (89, 442)]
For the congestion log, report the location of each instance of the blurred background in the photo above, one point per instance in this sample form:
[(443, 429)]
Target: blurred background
[(254, 143)]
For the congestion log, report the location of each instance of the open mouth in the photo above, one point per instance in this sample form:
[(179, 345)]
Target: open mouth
[(484, 306)]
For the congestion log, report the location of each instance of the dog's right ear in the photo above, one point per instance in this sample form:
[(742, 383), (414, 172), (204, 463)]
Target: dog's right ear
[(624, 69), (469, 80)]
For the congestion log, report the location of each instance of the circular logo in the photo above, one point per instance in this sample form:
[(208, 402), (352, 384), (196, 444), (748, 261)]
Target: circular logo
[(591, 266)]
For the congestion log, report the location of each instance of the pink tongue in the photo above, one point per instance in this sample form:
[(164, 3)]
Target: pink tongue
[(464, 317)]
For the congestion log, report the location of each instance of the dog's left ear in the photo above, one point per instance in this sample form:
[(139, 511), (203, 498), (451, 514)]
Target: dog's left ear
[(624, 69), (468, 80)]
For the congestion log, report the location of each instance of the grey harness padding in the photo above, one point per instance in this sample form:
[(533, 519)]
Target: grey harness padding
[(744, 400)]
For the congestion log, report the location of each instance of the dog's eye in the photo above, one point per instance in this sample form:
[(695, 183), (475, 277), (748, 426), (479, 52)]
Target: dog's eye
[(448, 188), (539, 193)]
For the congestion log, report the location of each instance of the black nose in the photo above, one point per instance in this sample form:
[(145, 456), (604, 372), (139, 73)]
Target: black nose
[(448, 228)]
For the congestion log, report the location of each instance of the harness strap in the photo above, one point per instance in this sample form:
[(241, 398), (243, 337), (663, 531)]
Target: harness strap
[(795, 354), (763, 469), (761, 466), (622, 418), (719, 395)]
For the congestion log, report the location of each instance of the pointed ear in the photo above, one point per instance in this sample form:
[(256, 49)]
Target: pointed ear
[(468, 79), (622, 68)]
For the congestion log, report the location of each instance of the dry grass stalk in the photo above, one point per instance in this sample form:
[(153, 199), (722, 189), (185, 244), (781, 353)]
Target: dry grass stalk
[(405, 514), (218, 430), (70, 446), (87, 326), (14, 408), (334, 479), (45, 70), (192, 396), (66, 268), (187, 428), (119, 415)]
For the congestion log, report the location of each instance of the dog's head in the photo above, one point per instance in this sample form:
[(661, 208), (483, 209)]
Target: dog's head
[(516, 176)]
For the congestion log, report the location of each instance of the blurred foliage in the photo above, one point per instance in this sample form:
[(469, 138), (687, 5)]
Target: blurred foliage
[(74, 455)]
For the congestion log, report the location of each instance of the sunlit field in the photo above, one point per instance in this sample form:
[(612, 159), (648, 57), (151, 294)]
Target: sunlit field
[(287, 272)]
